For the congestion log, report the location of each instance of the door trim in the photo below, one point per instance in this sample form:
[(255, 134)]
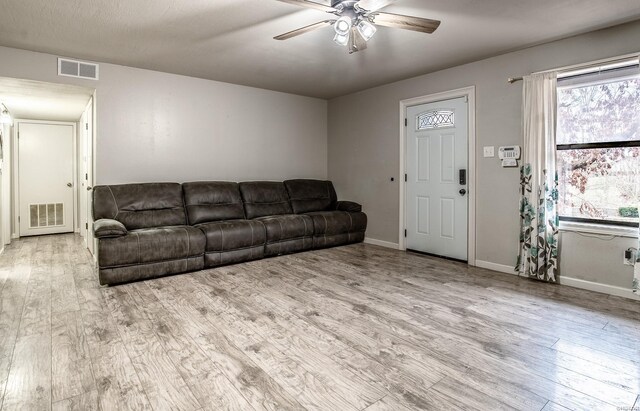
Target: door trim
[(16, 169), (470, 93)]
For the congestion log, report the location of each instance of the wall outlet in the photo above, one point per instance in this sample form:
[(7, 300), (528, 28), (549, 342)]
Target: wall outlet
[(489, 151), (630, 256)]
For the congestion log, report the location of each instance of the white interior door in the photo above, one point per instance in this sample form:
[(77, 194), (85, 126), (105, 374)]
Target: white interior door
[(82, 172), (45, 175), (88, 177), (437, 172)]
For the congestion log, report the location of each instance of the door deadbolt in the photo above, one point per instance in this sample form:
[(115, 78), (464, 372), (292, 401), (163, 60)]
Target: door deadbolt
[(462, 192)]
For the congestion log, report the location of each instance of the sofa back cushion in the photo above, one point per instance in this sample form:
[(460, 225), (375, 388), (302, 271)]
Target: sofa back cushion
[(140, 205), (264, 198), (212, 201), (311, 195)]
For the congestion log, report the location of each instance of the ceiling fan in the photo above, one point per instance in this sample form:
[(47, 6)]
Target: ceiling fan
[(356, 21)]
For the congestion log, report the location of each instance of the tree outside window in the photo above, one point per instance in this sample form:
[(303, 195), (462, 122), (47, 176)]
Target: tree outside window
[(599, 151)]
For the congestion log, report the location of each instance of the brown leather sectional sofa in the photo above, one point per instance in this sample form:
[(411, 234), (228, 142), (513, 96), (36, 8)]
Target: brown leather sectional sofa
[(155, 229)]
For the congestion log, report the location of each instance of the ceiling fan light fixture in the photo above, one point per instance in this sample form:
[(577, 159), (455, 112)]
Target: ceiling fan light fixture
[(341, 39), (366, 30), (343, 25), (5, 117)]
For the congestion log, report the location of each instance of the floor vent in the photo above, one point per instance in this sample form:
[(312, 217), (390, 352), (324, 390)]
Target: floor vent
[(79, 69), (46, 215)]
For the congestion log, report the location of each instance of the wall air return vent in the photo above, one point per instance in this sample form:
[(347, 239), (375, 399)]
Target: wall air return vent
[(46, 215), (79, 69)]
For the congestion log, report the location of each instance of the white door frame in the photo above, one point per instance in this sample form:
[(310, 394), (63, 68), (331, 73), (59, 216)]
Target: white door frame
[(16, 167), (91, 240), (470, 93)]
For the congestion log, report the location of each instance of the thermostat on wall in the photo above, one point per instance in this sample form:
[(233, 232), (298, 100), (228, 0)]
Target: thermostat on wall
[(509, 155)]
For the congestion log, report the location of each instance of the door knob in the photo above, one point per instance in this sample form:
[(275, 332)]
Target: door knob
[(89, 188), (462, 192), (69, 185)]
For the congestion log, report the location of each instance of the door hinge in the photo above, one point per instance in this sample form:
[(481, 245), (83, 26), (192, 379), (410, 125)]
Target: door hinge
[(406, 122), (86, 126), (405, 232), (405, 178), (18, 218), (86, 176), (466, 99), (86, 226)]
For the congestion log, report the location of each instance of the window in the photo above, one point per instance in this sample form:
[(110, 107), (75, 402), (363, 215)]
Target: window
[(598, 146)]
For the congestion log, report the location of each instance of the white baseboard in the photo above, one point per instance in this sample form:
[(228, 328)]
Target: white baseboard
[(381, 243), (597, 287), (496, 267), (568, 281)]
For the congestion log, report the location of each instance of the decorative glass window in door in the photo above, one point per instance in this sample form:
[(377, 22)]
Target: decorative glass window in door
[(435, 119)]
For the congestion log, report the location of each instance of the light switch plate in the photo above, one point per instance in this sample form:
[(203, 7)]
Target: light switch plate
[(489, 151)]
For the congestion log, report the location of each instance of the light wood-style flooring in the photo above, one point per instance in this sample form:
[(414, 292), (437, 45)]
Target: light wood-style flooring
[(350, 328)]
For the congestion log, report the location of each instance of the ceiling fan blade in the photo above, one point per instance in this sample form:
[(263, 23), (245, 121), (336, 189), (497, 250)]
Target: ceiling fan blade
[(311, 5), (304, 29), (356, 42), (405, 22), (373, 5)]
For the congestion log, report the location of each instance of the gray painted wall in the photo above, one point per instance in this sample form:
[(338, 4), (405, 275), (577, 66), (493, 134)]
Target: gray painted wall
[(364, 151), (156, 126)]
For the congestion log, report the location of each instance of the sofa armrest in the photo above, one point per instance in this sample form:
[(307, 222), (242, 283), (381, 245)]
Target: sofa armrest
[(107, 228), (349, 206)]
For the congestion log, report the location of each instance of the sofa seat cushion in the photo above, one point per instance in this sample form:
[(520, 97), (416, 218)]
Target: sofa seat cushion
[(326, 223), (287, 234), (151, 245), (233, 234), (233, 241), (286, 227)]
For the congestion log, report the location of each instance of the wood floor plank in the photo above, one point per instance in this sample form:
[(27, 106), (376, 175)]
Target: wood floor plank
[(119, 387), (64, 296), (29, 381), (211, 388), (472, 399), (258, 388), (71, 374), (5, 364), (393, 349), (311, 389), (358, 392), (84, 402), (387, 403), (162, 383), (355, 328), (13, 297)]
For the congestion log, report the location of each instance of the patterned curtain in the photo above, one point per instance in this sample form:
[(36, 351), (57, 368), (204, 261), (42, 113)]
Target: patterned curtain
[(636, 269), (538, 256)]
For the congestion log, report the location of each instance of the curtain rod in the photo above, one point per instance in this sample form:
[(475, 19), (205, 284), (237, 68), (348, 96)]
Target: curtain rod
[(591, 64)]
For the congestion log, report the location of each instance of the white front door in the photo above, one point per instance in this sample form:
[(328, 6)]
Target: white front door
[(45, 173), (437, 172)]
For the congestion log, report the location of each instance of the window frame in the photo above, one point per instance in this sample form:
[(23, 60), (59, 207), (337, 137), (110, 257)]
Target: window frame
[(572, 221)]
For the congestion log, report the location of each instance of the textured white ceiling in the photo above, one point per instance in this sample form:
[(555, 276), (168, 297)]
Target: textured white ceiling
[(35, 100), (231, 40)]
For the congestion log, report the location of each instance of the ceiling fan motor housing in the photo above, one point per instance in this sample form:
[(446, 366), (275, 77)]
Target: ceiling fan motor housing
[(344, 3)]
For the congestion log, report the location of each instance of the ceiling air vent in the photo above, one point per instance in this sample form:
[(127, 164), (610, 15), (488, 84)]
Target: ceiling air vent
[(79, 69)]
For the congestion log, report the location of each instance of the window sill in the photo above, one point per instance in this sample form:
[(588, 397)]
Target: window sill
[(602, 229)]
